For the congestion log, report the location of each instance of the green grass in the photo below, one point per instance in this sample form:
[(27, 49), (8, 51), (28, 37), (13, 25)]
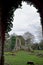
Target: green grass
[(22, 57)]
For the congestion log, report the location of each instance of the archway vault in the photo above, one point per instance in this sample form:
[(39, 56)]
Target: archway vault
[(7, 8)]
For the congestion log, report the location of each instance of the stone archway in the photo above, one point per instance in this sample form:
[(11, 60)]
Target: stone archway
[(6, 7)]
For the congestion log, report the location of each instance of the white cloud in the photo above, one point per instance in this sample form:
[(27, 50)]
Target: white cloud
[(25, 19)]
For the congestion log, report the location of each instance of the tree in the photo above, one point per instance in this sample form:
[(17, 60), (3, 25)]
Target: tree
[(13, 41), (39, 33), (7, 42), (35, 46), (29, 38), (41, 45)]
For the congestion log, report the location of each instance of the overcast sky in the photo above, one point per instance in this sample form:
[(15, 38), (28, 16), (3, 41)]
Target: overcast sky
[(26, 19)]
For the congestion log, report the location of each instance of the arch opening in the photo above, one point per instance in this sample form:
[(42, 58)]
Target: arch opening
[(8, 9), (19, 6), (26, 17)]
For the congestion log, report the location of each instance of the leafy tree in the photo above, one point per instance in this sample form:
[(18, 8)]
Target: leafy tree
[(29, 38), (7, 42), (35, 46), (13, 41), (41, 45)]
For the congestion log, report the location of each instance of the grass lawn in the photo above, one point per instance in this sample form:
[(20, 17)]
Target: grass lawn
[(22, 57)]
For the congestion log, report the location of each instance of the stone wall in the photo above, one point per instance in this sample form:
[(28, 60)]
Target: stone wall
[(17, 44), (0, 34)]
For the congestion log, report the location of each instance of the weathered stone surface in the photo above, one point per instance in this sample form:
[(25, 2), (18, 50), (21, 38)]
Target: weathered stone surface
[(0, 34), (18, 44)]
